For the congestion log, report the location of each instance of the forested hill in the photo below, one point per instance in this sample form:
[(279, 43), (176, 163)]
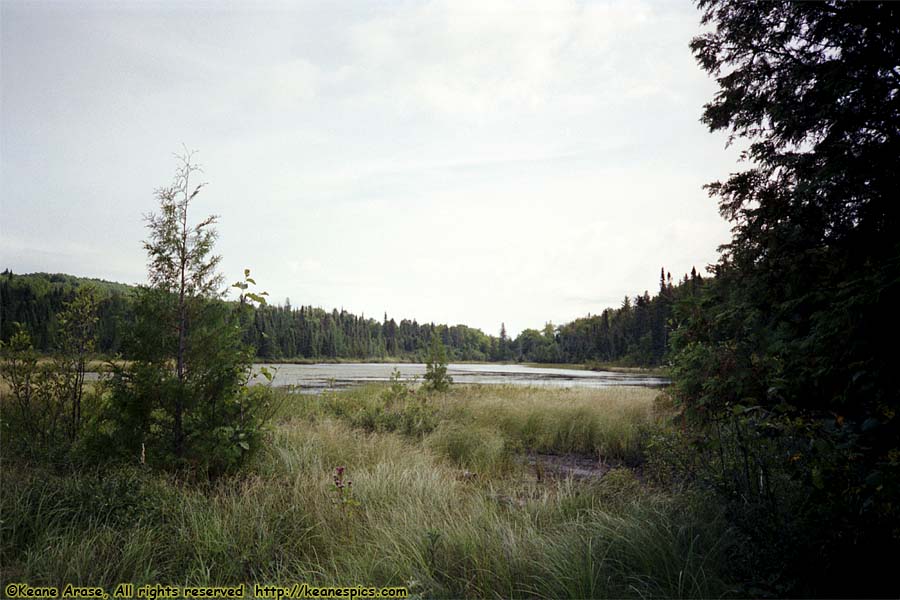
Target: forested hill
[(36, 299), (636, 333)]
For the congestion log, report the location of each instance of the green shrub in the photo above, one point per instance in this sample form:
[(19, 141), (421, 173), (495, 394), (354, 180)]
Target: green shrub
[(42, 414), (436, 378), (398, 408)]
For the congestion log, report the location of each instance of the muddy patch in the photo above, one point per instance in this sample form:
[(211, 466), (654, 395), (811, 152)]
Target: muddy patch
[(561, 466)]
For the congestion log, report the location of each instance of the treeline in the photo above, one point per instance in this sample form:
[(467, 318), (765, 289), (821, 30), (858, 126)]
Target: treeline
[(35, 301), (636, 333), (276, 332), (286, 332)]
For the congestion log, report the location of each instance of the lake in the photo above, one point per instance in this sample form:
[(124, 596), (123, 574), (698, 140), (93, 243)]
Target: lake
[(315, 378)]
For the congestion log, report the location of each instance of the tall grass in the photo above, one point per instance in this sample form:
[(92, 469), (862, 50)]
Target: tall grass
[(416, 519), (610, 422)]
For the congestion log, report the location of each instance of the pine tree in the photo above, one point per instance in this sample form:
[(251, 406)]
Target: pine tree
[(503, 349), (436, 378), (789, 337)]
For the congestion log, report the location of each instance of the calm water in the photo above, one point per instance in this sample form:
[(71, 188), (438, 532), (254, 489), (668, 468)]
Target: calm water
[(315, 378)]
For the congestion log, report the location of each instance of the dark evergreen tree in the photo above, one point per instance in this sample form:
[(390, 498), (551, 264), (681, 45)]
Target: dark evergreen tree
[(794, 329), (503, 349)]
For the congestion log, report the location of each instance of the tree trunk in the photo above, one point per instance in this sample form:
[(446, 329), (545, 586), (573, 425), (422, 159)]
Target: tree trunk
[(179, 369), (182, 325)]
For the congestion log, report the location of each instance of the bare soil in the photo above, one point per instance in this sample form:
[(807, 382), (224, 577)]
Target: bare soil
[(569, 465)]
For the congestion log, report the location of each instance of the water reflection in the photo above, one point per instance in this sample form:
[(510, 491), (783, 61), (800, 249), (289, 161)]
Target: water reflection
[(315, 378)]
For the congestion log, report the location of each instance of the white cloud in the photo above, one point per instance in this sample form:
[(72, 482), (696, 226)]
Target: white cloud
[(450, 161), (474, 59)]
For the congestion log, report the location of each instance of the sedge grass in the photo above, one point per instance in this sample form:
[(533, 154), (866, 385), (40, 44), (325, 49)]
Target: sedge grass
[(414, 518)]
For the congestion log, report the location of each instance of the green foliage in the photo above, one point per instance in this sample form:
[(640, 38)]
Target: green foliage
[(398, 391), (223, 417), (635, 334), (539, 347), (399, 408), (780, 363), (34, 411), (777, 477), (78, 323), (436, 378), (42, 413), (35, 301), (184, 399), (247, 298)]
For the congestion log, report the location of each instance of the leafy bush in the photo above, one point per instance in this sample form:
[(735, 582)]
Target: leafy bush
[(41, 415), (787, 487), (33, 412)]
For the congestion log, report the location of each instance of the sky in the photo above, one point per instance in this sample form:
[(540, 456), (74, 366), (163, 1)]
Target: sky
[(478, 162)]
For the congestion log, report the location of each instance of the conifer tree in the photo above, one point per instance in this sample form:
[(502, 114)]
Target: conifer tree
[(184, 394), (436, 378), (181, 264), (788, 340)]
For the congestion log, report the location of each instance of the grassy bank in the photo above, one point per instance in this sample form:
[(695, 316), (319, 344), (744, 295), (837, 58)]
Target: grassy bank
[(603, 366), (622, 368), (442, 501)]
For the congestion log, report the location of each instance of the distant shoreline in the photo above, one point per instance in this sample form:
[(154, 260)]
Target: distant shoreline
[(99, 364), (652, 371)]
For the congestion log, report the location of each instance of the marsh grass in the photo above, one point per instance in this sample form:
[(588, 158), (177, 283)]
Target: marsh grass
[(610, 422), (417, 520), (479, 426)]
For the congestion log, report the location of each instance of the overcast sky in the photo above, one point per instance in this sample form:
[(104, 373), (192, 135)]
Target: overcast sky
[(462, 162)]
